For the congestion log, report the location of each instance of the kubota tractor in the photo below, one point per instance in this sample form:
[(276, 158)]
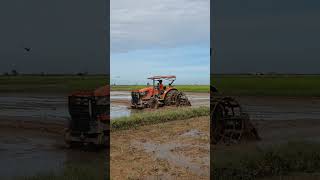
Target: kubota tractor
[(90, 122), (158, 94)]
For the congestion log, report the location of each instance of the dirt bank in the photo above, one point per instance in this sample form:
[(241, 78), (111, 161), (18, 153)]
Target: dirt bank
[(172, 150)]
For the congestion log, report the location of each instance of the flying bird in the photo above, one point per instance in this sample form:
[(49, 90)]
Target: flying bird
[(27, 49)]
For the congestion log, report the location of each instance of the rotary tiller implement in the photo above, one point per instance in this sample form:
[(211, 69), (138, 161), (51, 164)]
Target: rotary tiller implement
[(229, 123)]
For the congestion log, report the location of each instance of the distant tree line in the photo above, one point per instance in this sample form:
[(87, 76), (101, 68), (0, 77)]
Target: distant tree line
[(15, 72), (12, 73)]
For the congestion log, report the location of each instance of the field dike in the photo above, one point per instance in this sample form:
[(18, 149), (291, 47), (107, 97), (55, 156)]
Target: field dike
[(154, 117)]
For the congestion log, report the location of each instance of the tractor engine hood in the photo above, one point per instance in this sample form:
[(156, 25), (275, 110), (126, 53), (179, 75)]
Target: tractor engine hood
[(144, 89)]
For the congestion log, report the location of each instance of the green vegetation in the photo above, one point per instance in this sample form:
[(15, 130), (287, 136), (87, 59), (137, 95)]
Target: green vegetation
[(185, 88), (154, 117), (268, 85), (51, 83), (281, 160), (251, 85)]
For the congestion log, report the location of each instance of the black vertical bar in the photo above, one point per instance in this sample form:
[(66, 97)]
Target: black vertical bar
[(107, 34)]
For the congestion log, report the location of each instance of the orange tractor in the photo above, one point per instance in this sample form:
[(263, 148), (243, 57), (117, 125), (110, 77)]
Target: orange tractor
[(89, 123), (158, 94)]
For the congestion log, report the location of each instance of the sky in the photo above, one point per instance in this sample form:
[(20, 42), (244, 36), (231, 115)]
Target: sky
[(160, 37), (71, 36), (64, 36), (267, 36)]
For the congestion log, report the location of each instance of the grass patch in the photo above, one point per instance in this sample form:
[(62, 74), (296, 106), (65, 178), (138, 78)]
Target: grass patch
[(184, 88), (268, 85), (51, 83), (155, 117), (281, 160)]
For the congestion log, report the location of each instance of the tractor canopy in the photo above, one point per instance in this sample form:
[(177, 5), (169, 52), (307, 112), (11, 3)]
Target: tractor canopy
[(171, 78), (162, 77)]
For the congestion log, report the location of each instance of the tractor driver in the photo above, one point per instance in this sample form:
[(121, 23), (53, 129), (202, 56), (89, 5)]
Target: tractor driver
[(160, 86)]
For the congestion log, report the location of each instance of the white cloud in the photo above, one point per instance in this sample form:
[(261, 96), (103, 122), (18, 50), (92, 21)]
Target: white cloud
[(158, 23)]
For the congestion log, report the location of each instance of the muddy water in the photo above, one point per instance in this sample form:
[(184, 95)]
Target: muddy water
[(44, 107), (53, 107), (167, 152), (24, 153), (28, 153), (183, 151), (259, 108), (32, 152), (120, 102), (281, 108)]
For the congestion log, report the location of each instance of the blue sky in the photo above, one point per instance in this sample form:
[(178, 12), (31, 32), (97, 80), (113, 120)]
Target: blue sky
[(160, 37)]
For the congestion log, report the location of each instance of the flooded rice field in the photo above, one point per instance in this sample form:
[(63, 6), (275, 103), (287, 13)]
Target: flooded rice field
[(28, 153), (282, 108), (53, 107), (22, 152), (29, 149), (120, 102), (44, 107), (259, 108)]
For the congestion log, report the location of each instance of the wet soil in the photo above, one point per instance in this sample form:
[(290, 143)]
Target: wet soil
[(30, 152), (172, 150)]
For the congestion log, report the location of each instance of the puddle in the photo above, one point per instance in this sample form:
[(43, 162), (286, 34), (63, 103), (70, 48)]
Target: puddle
[(117, 111), (123, 95), (168, 152), (193, 133)]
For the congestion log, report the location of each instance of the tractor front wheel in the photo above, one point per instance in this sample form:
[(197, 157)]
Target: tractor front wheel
[(153, 103)]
